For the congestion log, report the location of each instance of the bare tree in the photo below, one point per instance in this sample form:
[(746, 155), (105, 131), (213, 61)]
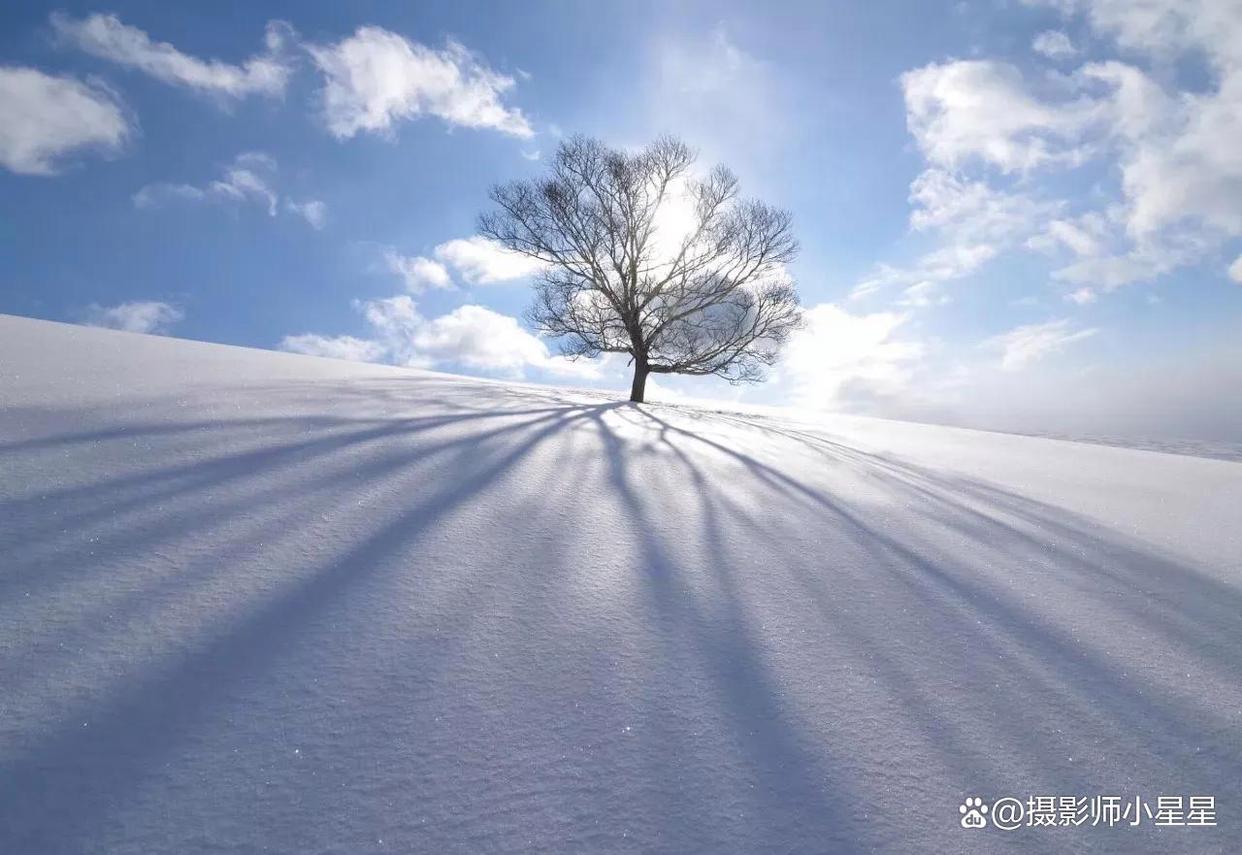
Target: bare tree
[(645, 258)]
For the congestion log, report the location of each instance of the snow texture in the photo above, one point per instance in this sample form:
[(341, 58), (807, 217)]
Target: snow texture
[(259, 602)]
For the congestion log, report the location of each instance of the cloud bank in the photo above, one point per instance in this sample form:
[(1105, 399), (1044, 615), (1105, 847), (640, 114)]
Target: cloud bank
[(48, 119), (106, 37), (141, 316), (372, 80), (471, 337), (377, 78), (474, 260)]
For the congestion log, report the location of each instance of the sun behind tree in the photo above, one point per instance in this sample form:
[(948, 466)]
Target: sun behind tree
[(645, 258)]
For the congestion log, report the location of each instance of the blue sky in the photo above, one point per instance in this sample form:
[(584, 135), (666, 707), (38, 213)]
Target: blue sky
[(1013, 214)]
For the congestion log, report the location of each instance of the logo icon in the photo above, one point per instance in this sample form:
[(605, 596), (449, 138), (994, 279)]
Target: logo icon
[(972, 811)]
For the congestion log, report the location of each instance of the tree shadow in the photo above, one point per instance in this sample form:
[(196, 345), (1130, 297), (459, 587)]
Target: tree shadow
[(1019, 654), (706, 586), (56, 790)]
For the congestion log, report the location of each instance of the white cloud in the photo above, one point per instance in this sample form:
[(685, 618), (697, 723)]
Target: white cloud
[(966, 115), (479, 338), (1162, 28), (248, 179), (334, 347), (980, 122), (1179, 159), (1235, 270), (1141, 261), (144, 316), (1193, 173), (964, 111), (471, 337), (48, 118), (313, 211), (106, 37), (1175, 150), (973, 221), (973, 211), (838, 358), (1128, 103), (482, 261), (954, 260), (1103, 256), (1025, 345), (1083, 296), (418, 272), (376, 78), (951, 261), (475, 260), (1085, 236), (1054, 44), (923, 294)]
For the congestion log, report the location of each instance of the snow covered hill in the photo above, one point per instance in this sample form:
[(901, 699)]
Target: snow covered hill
[(257, 602)]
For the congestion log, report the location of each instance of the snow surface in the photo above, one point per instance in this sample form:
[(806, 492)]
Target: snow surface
[(257, 602)]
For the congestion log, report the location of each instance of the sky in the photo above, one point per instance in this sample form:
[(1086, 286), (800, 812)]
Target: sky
[(1014, 214)]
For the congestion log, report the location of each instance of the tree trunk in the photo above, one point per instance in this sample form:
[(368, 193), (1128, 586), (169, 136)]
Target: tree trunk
[(639, 387)]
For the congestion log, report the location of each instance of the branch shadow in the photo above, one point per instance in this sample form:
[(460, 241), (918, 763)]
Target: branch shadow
[(777, 625)]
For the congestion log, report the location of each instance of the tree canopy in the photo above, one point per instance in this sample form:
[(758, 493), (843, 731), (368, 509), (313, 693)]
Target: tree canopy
[(645, 257)]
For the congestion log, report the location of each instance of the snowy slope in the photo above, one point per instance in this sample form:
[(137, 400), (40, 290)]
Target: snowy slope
[(257, 602)]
